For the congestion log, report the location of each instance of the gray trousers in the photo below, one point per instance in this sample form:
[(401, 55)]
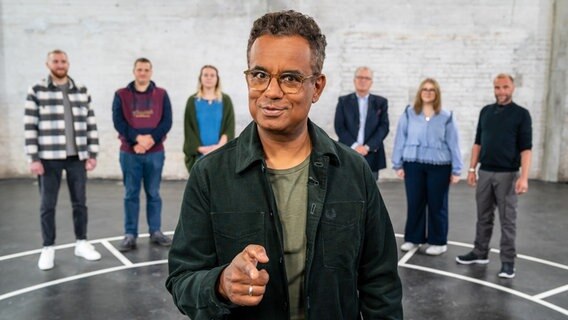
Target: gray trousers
[(496, 189)]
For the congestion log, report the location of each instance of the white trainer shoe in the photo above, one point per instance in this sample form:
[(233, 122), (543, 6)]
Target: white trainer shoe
[(86, 250), (46, 258), (407, 246), (433, 250)]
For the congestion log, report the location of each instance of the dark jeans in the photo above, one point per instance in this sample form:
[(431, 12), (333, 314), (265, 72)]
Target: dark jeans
[(427, 187), (138, 169), (49, 184)]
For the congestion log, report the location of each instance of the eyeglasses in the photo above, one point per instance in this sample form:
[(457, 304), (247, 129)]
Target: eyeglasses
[(363, 78), (289, 82), (428, 90)]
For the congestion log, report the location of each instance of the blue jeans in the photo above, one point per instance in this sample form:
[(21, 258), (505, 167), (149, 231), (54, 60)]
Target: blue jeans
[(138, 168), (49, 184)]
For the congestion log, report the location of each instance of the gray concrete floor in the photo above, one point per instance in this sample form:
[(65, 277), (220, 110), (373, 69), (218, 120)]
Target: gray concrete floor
[(434, 287)]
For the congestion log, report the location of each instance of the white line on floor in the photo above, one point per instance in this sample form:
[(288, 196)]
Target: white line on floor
[(116, 253), (70, 245), (36, 251), (538, 260), (407, 256), (79, 276), (519, 256), (488, 284), (550, 293), (403, 263)]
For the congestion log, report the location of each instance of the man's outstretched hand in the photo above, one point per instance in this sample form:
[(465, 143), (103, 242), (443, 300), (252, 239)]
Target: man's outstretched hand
[(241, 282)]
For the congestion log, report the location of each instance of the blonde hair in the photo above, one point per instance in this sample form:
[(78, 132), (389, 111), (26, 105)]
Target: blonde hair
[(418, 102), (218, 93)]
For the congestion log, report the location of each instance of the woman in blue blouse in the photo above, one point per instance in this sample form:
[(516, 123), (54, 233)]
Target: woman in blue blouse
[(209, 117), (427, 156)]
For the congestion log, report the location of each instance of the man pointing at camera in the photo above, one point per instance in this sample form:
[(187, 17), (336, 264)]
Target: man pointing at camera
[(266, 229)]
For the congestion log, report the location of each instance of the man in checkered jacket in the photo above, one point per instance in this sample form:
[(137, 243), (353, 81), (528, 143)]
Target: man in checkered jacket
[(61, 134)]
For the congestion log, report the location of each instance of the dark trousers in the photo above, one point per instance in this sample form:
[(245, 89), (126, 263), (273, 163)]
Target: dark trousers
[(427, 188), (49, 184), (496, 190), (376, 175)]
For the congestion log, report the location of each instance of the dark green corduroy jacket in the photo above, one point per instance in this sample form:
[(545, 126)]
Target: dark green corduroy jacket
[(351, 258), (191, 129)]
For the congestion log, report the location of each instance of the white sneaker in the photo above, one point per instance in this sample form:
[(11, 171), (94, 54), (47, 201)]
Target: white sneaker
[(86, 250), (46, 258), (436, 250), (407, 246)]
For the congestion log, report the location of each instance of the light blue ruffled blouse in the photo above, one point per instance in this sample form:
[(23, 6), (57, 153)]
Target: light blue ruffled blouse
[(431, 142)]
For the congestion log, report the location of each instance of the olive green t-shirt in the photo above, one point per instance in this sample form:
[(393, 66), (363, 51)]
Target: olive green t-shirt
[(290, 187)]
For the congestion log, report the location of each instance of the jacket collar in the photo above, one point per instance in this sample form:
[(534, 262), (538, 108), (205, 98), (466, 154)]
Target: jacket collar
[(51, 84), (250, 151), (370, 97), (367, 96), (354, 99)]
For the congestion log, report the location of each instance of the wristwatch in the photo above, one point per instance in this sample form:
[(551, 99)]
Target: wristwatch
[(471, 170)]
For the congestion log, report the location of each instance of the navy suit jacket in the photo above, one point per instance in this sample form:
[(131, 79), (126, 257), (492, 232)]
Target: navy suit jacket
[(376, 126)]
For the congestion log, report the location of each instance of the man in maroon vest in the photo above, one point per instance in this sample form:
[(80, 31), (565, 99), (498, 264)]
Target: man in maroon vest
[(142, 115)]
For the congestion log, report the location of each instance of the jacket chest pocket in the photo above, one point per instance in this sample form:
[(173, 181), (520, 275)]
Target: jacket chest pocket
[(233, 231), (340, 233)]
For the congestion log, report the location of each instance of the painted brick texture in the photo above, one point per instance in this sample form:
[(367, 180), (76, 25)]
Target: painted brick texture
[(463, 44)]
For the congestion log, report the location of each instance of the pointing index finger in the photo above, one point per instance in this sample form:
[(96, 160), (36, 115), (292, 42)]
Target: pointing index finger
[(253, 254)]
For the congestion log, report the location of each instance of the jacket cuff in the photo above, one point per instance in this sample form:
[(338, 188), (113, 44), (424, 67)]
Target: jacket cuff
[(157, 138), (218, 307), (33, 157)]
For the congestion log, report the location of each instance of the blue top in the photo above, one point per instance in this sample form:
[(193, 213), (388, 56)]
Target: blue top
[(432, 142), (363, 107), (209, 116)]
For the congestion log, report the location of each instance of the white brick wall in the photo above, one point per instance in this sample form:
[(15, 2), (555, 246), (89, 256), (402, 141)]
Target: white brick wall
[(462, 44)]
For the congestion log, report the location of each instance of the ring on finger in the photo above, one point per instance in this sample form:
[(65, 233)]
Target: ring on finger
[(250, 290)]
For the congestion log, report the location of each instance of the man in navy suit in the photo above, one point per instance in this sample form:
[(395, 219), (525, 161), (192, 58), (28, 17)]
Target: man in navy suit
[(362, 122)]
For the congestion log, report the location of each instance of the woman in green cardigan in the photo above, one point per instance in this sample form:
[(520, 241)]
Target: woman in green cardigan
[(209, 120)]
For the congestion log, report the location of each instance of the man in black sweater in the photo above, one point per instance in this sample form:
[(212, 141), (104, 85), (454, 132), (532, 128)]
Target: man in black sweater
[(503, 143)]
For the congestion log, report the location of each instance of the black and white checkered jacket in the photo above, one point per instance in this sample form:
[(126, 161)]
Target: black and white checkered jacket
[(45, 123)]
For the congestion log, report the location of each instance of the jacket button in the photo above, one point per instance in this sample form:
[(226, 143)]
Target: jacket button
[(281, 259)]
